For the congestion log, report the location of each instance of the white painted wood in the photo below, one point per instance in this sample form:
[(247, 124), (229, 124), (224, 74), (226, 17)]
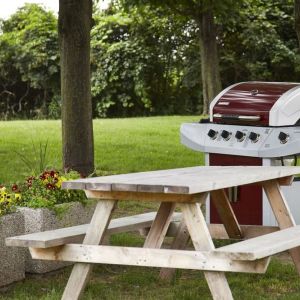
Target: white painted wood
[(207, 203), (94, 236), (202, 241), (282, 214), (292, 197), (74, 234), (185, 181), (263, 246), (147, 257), (218, 231)]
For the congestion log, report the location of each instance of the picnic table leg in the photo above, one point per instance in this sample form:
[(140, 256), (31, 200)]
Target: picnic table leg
[(160, 225), (226, 214), (180, 242), (201, 239), (282, 213), (94, 236)]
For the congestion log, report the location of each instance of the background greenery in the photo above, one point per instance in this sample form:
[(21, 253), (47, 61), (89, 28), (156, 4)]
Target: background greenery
[(121, 145), (145, 58), (127, 145), (145, 61)]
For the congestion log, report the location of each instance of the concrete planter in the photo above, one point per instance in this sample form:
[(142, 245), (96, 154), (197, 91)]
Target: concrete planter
[(12, 266), (43, 219)]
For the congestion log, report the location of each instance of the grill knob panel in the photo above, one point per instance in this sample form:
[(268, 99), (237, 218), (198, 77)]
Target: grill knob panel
[(283, 137), (225, 135), (240, 136), (212, 134), (254, 137)]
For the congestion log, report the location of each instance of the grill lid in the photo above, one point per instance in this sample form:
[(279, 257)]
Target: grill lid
[(257, 103)]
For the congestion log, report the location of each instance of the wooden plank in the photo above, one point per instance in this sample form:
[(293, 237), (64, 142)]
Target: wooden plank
[(263, 246), (202, 241), (286, 180), (94, 236), (185, 181), (180, 242), (147, 257), (160, 225), (135, 196), (218, 231), (226, 214), (75, 234), (282, 214), (96, 182)]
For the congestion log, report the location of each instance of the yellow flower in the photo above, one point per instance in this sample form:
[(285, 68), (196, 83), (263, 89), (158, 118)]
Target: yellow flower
[(17, 196), (58, 183), (63, 179)]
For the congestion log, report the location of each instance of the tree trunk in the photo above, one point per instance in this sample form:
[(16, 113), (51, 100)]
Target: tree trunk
[(211, 82), (297, 19), (74, 25)]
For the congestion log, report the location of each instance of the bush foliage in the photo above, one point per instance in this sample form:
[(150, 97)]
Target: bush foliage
[(43, 191), (145, 60)]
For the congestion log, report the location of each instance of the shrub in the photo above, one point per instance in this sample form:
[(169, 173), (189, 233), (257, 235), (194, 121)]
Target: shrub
[(45, 191)]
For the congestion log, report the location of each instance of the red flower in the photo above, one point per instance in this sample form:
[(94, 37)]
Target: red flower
[(15, 188), (29, 180), (50, 186), (53, 174)]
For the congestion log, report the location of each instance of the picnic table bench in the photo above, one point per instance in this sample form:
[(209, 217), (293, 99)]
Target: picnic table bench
[(186, 188)]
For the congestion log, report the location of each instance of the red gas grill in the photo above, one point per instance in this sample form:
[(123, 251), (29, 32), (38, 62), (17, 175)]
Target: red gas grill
[(253, 124)]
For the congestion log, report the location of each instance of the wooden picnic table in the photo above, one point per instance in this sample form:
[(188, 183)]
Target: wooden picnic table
[(186, 188)]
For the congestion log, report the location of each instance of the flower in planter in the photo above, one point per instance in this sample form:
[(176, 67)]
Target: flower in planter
[(45, 190), (9, 199)]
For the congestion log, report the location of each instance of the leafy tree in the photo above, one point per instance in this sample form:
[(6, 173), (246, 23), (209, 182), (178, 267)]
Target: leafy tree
[(145, 55), (203, 13), (140, 63), (259, 43), (29, 58)]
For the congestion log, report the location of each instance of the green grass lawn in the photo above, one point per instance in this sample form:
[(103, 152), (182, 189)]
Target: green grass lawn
[(121, 145), (129, 145)]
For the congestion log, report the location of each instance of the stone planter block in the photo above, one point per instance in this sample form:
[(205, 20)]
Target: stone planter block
[(43, 219), (12, 267)]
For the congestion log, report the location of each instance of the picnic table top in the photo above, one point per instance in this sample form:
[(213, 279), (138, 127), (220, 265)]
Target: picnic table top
[(190, 180)]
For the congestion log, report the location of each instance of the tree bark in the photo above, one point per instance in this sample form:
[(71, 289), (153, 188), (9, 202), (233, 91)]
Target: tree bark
[(297, 19), (74, 25), (210, 72)]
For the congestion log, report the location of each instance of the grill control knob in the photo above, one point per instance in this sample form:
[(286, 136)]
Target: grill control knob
[(225, 135), (283, 137), (212, 134), (240, 136), (253, 137)]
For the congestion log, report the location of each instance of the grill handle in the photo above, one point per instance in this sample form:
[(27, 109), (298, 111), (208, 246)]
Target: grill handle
[(237, 117)]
